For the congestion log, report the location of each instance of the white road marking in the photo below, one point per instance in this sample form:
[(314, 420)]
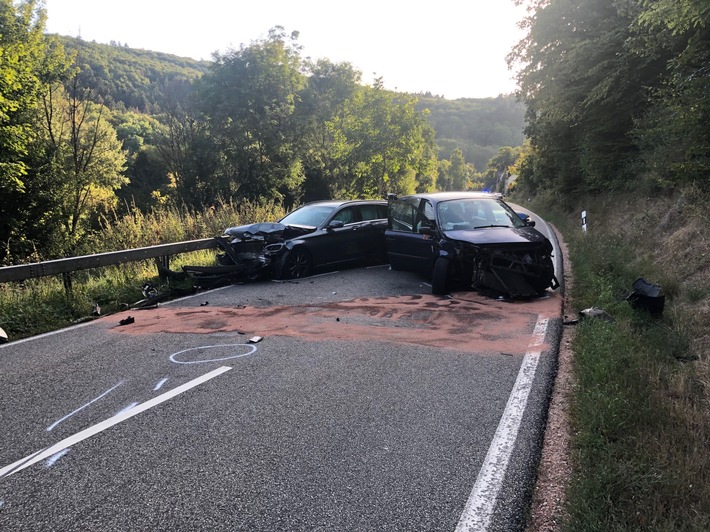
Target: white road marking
[(108, 423), (252, 349), (159, 384), (127, 408), (49, 429), (45, 335), (55, 458), (479, 508)]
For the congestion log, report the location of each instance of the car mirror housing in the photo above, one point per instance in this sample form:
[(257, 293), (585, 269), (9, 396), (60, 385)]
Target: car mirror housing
[(336, 224), (425, 230), (526, 218)]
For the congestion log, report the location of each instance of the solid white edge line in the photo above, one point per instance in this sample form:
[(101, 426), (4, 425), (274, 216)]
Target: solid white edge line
[(99, 427), (478, 511)]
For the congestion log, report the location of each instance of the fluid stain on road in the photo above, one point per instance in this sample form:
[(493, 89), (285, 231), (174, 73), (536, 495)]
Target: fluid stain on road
[(465, 322)]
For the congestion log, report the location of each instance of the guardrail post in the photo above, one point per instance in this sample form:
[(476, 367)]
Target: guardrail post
[(163, 264), (66, 280)]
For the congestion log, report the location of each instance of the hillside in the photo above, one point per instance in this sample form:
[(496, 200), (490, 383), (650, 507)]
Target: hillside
[(128, 78), (141, 80)]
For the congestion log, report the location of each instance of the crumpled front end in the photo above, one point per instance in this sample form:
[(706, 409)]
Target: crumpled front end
[(249, 252), (516, 271)]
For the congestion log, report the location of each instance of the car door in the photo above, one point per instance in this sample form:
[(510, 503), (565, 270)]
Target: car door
[(407, 249), (371, 232), (338, 239)]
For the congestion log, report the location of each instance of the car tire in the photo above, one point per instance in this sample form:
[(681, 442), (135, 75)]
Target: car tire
[(295, 264), (440, 277)]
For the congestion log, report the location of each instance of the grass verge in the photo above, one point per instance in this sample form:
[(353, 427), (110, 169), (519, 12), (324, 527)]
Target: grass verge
[(641, 407)]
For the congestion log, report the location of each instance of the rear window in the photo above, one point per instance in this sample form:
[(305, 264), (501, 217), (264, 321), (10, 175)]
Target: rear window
[(373, 212)]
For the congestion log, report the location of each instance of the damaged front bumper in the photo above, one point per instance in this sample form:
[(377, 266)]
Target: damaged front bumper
[(249, 252), (515, 272)]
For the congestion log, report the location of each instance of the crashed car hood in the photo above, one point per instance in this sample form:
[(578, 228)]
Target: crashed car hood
[(498, 236), (263, 229), (267, 231)]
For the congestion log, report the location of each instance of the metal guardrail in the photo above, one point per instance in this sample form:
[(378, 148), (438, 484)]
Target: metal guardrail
[(112, 258)]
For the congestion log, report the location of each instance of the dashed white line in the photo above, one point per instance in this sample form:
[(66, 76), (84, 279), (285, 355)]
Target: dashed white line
[(479, 508)]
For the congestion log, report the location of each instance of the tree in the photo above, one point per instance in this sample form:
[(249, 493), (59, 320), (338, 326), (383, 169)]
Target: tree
[(673, 135), (87, 159), (392, 144), (250, 99), (584, 90), (22, 47), (325, 104)]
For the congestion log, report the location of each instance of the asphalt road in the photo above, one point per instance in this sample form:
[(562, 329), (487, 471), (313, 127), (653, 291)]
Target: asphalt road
[(369, 404)]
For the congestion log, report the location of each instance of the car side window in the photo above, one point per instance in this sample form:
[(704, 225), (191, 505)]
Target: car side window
[(347, 215), (426, 216), (402, 215), (373, 212)]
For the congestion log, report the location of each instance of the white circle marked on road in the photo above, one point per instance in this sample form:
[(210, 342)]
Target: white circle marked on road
[(251, 350)]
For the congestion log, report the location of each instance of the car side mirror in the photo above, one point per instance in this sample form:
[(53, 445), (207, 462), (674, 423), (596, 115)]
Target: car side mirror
[(526, 218), (426, 230), (336, 224)]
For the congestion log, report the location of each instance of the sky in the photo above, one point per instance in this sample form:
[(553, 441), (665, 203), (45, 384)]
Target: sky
[(451, 48)]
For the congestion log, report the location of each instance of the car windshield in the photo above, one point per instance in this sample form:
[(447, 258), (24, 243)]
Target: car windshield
[(476, 213), (309, 215)]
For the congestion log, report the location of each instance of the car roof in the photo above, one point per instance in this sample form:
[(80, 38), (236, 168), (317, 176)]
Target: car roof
[(446, 196), (339, 203)]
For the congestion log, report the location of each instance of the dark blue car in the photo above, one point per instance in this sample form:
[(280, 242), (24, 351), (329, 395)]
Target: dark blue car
[(469, 240)]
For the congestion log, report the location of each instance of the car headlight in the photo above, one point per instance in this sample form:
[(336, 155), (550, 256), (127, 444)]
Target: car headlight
[(273, 249)]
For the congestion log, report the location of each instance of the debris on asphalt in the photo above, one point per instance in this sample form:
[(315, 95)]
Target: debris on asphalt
[(204, 304), (3, 337), (127, 321), (255, 339), (646, 296), (150, 291), (596, 312)]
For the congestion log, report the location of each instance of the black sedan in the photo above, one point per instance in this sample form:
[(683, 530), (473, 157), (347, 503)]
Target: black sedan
[(469, 239), (316, 235)]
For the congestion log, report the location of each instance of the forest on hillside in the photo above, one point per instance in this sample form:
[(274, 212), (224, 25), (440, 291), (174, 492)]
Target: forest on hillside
[(89, 131)]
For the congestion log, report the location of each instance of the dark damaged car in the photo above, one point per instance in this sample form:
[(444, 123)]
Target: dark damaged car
[(469, 240), (317, 235)]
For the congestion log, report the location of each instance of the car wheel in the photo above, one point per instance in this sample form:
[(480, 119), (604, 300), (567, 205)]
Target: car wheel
[(440, 277), (295, 264)]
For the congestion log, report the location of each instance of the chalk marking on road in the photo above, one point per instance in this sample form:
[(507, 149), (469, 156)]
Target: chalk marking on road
[(173, 358), (159, 384), (49, 429), (108, 423), (55, 458), (127, 408), (479, 508)]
